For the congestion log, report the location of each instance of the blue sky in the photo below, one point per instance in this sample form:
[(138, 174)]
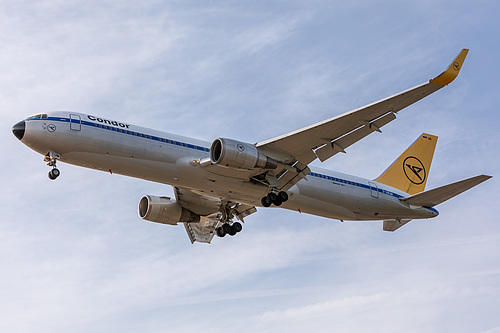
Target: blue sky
[(76, 257)]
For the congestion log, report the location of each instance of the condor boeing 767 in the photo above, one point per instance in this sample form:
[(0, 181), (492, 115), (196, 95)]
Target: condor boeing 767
[(219, 182)]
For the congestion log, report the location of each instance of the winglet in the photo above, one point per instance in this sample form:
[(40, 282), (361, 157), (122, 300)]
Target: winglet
[(446, 77)]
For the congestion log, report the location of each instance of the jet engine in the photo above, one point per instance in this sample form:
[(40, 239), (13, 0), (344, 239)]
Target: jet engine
[(164, 210), (239, 155)]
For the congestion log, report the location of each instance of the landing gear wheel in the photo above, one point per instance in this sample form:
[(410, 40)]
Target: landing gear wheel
[(265, 201), (232, 231), (237, 226), (220, 232), (54, 173), (283, 196), (226, 228), (272, 197)]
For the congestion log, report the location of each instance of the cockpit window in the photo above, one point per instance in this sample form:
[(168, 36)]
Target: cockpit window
[(38, 116)]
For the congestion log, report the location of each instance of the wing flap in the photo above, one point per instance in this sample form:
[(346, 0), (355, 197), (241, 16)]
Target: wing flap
[(439, 195), (292, 176), (203, 231)]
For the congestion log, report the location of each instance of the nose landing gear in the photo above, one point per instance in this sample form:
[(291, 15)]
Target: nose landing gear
[(51, 159), (274, 198)]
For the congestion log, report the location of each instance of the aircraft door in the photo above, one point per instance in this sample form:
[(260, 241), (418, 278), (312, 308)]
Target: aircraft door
[(373, 189), (75, 122)]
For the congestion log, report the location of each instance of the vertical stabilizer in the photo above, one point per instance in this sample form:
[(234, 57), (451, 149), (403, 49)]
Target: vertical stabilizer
[(410, 171)]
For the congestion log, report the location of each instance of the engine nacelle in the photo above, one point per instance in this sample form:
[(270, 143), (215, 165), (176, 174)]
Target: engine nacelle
[(239, 155), (164, 210)]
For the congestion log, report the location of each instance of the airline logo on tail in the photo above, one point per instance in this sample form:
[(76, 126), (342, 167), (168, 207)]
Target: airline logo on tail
[(409, 172), (414, 170)]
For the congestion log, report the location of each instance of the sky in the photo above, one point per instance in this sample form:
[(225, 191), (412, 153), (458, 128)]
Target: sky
[(75, 256)]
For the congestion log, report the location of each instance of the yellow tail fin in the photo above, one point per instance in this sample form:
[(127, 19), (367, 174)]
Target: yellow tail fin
[(409, 172)]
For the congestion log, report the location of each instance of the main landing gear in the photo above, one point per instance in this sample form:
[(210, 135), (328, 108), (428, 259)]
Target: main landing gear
[(51, 159), (274, 198), (228, 227)]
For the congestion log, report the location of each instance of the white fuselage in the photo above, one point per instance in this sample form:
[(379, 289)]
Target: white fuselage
[(134, 151)]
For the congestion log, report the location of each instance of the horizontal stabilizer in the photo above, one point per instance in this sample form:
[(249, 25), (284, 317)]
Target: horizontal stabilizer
[(392, 225), (439, 195)]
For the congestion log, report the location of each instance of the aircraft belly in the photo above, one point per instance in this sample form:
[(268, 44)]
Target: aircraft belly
[(312, 206), (389, 207), (185, 173), (347, 202), (332, 193), (133, 167)]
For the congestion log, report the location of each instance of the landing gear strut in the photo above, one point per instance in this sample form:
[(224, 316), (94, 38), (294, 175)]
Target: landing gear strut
[(51, 159), (274, 198)]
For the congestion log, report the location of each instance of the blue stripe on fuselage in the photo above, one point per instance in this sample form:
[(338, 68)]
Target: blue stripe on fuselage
[(129, 132), (353, 183)]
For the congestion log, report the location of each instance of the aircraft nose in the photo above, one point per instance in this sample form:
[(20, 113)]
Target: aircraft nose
[(19, 129)]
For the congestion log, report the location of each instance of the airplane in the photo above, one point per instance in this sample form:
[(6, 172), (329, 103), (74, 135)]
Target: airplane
[(218, 184)]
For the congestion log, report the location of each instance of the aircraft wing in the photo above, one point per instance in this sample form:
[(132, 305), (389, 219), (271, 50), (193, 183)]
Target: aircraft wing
[(210, 210), (327, 138), (196, 202)]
